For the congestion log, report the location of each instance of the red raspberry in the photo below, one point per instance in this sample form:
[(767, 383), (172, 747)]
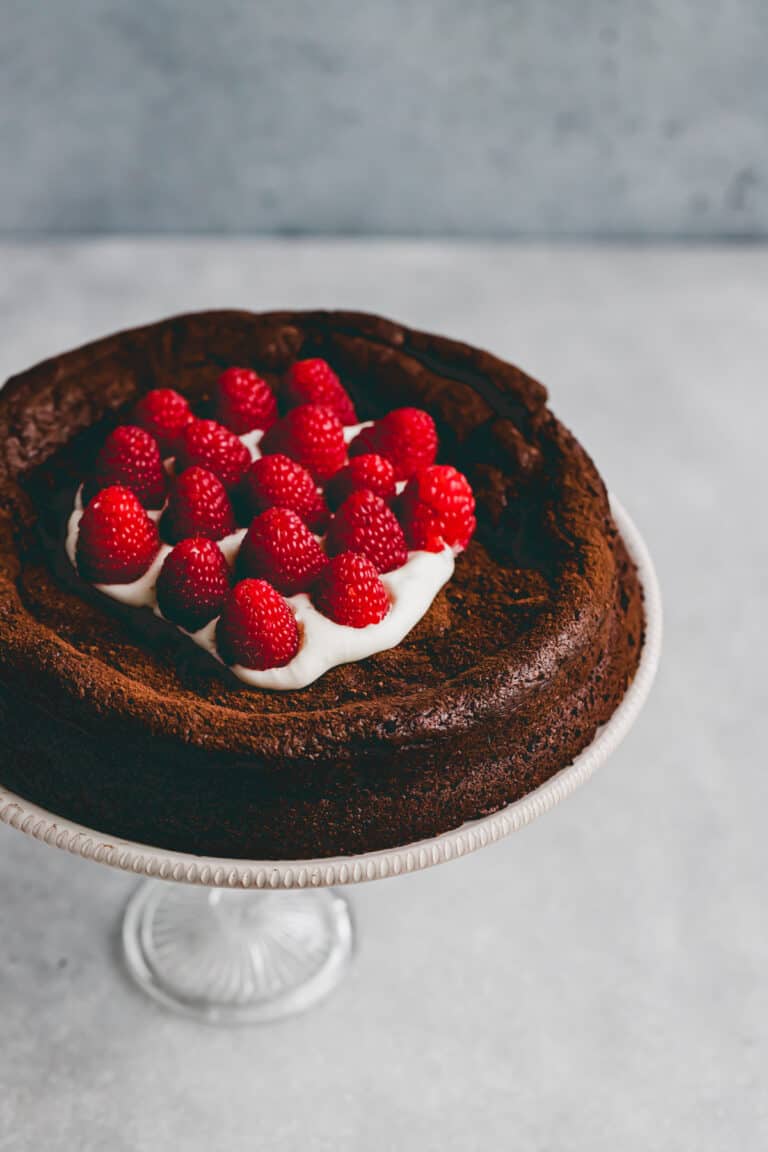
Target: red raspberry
[(198, 505), (130, 457), (257, 628), (279, 547), (438, 508), (117, 540), (193, 583), (374, 472), (163, 412), (406, 436), (350, 591), (313, 435), (277, 481), (216, 448), (365, 524), (243, 401), (315, 382)]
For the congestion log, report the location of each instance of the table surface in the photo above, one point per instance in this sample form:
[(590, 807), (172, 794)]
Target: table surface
[(597, 981)]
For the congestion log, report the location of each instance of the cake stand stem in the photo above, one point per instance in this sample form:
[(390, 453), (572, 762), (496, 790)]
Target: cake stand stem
[(233, 956)]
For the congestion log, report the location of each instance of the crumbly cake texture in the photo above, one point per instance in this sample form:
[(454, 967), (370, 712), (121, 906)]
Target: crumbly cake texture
[(113, 720)]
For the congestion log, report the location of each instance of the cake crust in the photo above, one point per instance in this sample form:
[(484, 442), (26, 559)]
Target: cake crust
[(116, 723)]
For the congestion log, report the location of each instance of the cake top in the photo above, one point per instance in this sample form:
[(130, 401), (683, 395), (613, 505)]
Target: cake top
[(530, 589)]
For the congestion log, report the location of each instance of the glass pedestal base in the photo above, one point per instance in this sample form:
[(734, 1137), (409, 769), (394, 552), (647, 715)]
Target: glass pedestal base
[(230, 956)]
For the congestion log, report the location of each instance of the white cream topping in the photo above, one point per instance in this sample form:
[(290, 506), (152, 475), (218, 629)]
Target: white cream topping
[(324, 644)]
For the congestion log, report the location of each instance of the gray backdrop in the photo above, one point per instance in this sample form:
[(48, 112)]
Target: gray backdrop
[(573, 117)]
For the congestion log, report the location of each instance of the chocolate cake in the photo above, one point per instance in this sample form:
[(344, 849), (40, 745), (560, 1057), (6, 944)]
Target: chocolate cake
[(119, 723)]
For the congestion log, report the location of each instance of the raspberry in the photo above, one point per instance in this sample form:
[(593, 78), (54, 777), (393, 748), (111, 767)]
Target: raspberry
[(257, 628), (313, 435), (279, 547), (198, 505), (214, 447), (243, 401), (163, 412), (193, 583), (315, 382), (117, 540), (406, 436), (438, 508), (365, 524), (130, 457), (374, 472), (277, 481), (350, 591)]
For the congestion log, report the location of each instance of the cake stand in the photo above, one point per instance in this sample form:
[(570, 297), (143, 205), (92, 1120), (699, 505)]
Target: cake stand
[(238, 941)]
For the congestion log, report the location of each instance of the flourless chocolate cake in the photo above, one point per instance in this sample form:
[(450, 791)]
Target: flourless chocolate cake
[(114, 718)]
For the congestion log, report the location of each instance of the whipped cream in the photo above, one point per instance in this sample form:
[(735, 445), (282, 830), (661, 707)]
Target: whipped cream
[(324, 643)]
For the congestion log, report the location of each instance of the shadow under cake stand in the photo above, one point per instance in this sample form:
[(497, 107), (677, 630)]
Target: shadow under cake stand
[(238, 941)]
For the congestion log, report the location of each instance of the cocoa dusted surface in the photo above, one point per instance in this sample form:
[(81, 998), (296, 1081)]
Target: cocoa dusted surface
[(118, 722)]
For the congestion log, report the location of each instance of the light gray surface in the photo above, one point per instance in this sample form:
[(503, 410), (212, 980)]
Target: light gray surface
[(443, 117), (598, 981)]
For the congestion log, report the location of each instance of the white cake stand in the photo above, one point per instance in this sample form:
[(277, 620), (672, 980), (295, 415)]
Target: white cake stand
[(238, 941)]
